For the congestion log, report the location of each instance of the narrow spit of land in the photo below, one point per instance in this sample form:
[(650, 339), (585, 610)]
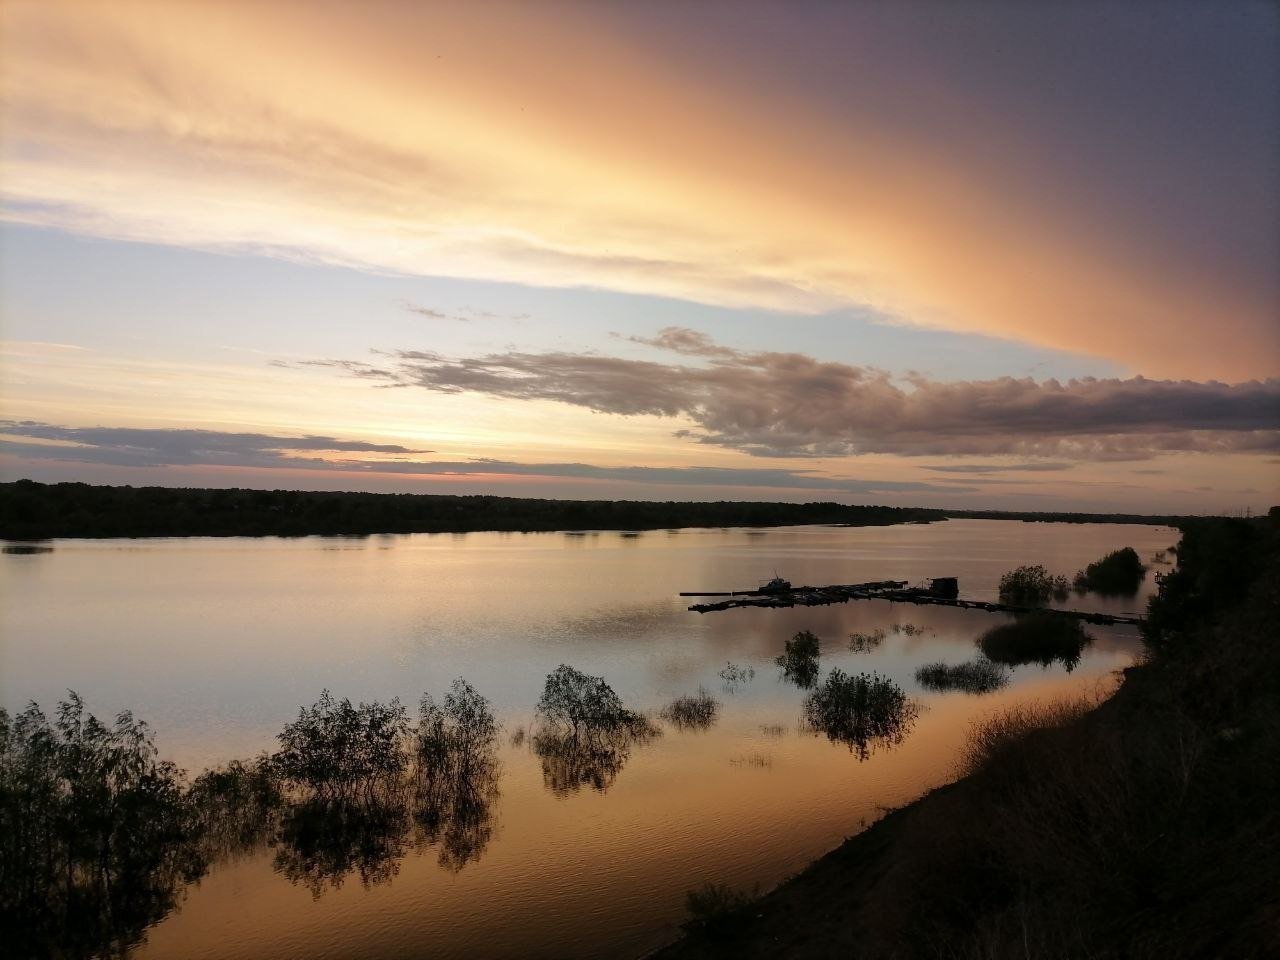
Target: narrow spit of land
[(895, 591), (39, 511), (1146, 827)]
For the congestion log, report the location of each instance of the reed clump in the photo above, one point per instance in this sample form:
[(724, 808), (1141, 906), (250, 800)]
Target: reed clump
[(692, 711), (976, 676)]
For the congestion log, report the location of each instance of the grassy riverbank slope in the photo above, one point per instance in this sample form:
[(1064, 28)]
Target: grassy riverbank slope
[(1146, 828)]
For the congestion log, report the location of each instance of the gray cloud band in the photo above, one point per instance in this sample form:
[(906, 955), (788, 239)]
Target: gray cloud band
[(791, 405), (130, 447)]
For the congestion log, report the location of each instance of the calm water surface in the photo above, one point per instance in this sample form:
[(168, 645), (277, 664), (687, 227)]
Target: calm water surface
[(218, 642)]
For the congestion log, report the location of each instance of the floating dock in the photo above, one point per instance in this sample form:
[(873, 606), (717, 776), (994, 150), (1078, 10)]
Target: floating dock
[(896, 591)]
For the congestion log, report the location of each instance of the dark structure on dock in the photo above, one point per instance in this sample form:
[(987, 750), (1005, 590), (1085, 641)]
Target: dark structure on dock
[(942, 591)]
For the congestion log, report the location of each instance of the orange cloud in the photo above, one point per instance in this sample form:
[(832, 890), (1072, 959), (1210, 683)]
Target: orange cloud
[(543, 145)]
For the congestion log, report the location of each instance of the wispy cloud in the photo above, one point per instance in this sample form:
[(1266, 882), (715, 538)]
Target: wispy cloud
[(432, 314), (1035, 466), (792, 405), (130, 447)]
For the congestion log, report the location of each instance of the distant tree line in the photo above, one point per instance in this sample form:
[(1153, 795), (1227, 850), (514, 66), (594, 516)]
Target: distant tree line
[(1158, 520), (34, 511)]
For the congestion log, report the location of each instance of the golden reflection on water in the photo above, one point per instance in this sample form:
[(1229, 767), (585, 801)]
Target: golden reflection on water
[(218, 642)]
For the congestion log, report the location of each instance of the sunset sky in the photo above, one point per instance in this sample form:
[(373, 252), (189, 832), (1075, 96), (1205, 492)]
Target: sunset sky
[(1005, 255)]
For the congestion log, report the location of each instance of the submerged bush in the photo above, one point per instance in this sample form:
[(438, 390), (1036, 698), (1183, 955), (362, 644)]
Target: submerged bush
[(581, 705), (692, 712), (734, 676), (237, 805), (864, 642), (452, 739), (1118, 572), (585, 734), (97, 836), (456, 780), (976, 676), (1032, 586), (335, 750), (862, 710), (799, 659), (1036, 638), (908, 629)]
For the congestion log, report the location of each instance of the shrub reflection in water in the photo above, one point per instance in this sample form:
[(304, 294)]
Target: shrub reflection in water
[(864, 712), (98, 838), (585, 734)]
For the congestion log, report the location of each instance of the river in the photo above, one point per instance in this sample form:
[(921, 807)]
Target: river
[(217, 642)]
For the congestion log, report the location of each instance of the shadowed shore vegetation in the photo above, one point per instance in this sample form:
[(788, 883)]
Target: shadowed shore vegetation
[(35, 511), (1144, 827)]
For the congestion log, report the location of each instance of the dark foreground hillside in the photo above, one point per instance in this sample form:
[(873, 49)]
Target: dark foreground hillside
[(35, 511), (1146, 828)]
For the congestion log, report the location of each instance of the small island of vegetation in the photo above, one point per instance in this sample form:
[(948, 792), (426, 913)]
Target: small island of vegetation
[(1119, 572)]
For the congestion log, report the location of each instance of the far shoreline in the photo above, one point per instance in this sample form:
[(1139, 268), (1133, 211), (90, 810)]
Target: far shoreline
[(35, 512)]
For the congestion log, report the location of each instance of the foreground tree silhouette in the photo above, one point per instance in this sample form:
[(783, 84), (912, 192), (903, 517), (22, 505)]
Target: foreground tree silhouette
[(97, 837)]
